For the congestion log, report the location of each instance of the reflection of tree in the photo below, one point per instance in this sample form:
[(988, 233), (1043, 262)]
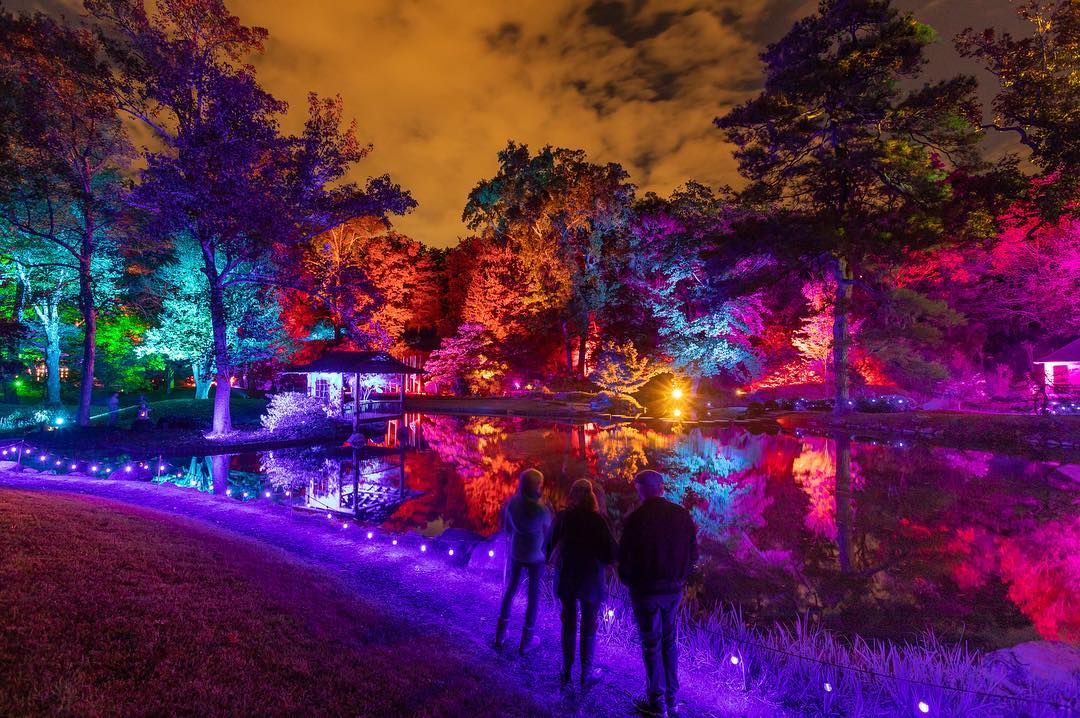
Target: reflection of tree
[(291, 469), (474, 447), (814, 470), (1043, 571), (618, 452), (712, 478)]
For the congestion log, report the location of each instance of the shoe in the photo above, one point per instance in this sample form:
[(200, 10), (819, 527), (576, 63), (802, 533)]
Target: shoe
[(651, 707), (672, 707), (529, 644), (591, 676)]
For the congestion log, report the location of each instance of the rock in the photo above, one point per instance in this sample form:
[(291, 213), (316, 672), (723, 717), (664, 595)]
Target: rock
[(1047, 663)]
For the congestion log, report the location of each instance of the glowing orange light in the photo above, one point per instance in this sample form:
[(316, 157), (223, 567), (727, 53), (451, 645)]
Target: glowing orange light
[(677, 413), (676, 393)]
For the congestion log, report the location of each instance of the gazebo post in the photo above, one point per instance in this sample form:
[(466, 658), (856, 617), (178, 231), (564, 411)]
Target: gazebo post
[(401, 396), (356, 402)]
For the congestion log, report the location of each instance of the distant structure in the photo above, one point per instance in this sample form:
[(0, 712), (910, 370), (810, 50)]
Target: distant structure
[(352, 381), (1062, 370)]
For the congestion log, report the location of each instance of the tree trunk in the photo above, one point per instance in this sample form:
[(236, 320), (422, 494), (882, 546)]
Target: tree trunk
[(583, 349), (222, 418), (841, 335), (170, 374), (89, 312), (569, 347), (201, 375), (843, 500), (52, 355)]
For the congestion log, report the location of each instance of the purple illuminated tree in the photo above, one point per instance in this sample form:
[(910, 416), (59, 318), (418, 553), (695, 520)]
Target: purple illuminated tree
[(220, 172)]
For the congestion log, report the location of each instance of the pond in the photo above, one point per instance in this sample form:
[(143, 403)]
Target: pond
[(971, 545)]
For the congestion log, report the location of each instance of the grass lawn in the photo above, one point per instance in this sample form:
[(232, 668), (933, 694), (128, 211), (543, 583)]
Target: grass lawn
[(113, 610), (245, 411)]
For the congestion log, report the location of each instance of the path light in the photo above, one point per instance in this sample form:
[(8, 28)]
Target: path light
[(677, 413), (611, 613), (59, 421), (267, 494), (423, 547), (228, 492), (828, 687), (330, 516), (127, 468), (734, 660), (345, 525), (370, 534), (245, 495), (41, 458), (924, 707), (93, 468), (27, 451), (394, 542), (73, 467), (450, 552), (676, 393), (57, 462), (491, 553)]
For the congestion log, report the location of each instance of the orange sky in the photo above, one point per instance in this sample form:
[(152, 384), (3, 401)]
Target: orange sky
[(439, 86)]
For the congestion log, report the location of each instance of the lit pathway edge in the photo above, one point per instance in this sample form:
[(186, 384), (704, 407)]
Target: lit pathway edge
[(444, 599)]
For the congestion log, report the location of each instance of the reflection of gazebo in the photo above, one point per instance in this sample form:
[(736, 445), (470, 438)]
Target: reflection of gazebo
[(341, 376)]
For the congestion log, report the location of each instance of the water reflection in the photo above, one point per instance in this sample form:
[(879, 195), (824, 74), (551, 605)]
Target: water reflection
[(883, 540)]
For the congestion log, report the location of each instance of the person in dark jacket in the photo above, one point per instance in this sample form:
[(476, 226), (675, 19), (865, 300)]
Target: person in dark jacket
[(583, 547), (527, 520), (657, 551)]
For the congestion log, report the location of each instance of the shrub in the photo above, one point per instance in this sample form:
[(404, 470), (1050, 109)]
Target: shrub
[(290, 409)]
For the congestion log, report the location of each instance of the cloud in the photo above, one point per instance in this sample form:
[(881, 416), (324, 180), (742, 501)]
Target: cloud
[(439, 86)]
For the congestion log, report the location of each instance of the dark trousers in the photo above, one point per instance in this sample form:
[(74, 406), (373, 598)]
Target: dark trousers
[(517, 568), (589, 611), (657, 624)]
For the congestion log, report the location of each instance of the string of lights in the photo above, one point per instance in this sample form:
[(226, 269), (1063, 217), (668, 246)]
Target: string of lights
[(21, 452)]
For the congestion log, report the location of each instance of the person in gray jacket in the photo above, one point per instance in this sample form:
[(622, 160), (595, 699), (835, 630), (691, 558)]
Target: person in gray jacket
[(526, 519)]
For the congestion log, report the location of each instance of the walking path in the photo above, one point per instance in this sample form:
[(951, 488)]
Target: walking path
[(454, 604)]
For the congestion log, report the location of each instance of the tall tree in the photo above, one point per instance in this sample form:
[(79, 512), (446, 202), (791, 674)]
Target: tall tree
[(71, 147), (854, 164), (1039, 97), (556, 209), (221, 172)]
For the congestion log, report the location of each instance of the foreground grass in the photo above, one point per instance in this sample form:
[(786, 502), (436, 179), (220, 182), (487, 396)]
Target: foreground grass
[(108, 610)]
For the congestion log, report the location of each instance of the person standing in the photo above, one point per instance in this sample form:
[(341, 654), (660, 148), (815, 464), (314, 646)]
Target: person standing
[(114, 408), (657, 551), (583, 547), (527, 520)]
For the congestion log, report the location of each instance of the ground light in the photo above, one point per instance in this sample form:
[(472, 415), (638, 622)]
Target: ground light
[(676, 393), (924, 707)]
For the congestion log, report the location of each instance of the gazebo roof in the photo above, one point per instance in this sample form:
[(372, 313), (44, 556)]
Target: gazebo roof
[(1068, 353), (345, 362)]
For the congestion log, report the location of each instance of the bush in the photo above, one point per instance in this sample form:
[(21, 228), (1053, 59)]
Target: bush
[(612, 403), (293, 410)]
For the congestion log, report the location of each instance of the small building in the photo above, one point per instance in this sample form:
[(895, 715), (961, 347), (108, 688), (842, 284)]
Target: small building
[(357, 383), (1061, 369)]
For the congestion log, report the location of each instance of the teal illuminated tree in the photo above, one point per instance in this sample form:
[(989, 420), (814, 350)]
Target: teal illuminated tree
[(66, 191), (855, 167)]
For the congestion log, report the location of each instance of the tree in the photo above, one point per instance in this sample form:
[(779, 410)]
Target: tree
[(367, 283), (184, 329), (700, 289), (563, 218), (619, 368), (223, 175), (70, 147), (467, 361), (853, 164), (1039, 97)]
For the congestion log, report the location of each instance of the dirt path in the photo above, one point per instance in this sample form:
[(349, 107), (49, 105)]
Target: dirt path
[(420, 595)]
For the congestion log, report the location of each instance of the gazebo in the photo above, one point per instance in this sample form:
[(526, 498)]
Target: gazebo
[(339, 376), (1061, 369)]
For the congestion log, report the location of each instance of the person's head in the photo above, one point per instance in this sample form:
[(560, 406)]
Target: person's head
[(583, 496), (649, 483), (531, 483)]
